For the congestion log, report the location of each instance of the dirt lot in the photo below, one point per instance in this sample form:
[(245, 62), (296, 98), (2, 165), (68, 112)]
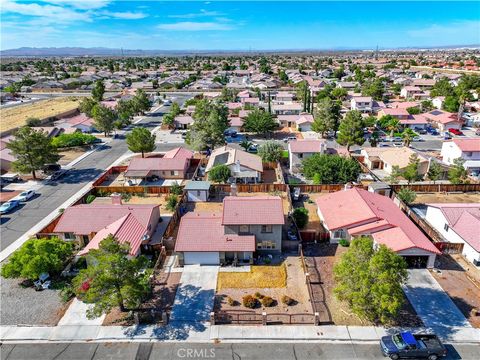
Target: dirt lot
[(447, 198), (164, 291), (461, 280), (325, 256), (67, 156), (296, 289), (147, 199), (15, 116)]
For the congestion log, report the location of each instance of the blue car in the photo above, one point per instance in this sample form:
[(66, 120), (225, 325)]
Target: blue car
[(9, 206)]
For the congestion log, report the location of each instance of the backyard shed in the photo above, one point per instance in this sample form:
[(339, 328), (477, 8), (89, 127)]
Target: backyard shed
[(197, 190)]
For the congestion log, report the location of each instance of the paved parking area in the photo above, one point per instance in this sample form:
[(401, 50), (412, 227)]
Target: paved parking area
[(432, 303), (196, 294), (167, 136)]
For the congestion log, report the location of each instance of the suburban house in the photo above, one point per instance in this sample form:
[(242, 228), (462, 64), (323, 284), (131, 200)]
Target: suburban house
[(6, 157), (385, 158), (458, 223), (444, 120), (362, 103), (283, 96), (89, 224), (235, 123), (417, 121), (467, 149), (246, 225), (410, 92), (244, 167), (173, 165), (81, 122), (287, 109), (398, 113), (302, 121), (302, 149), (197, 191), (356, 212), (183, 122)]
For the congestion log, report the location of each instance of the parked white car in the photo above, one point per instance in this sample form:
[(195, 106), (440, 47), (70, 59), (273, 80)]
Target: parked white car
[(25, 195)]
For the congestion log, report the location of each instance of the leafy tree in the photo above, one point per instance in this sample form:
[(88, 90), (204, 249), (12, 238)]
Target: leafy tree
[(141, 102), (326, 116), (351, 130), (393, 125), (245, 144), (176, 189), (371, 281), (301, 91), (339, 72), (339, 93), (86, 106), (168, 120), (211, 121), (270, 151), (406, 195), (414, 110), (374, 88), (219, 173), (112, 279), (331, 169), (259, 122), (442, 88), (172, 202), (300, 215), (394, 175), (434, 171), (141, 140), (33, 149), (457, 174), (175, 110), (427, 105), (103, 118), (98, 90), (125, 110), (451, 103), (37, 256)]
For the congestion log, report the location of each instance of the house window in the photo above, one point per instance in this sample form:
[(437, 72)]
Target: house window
[(244, 229), (468, 153), (266, 228), (69, 236), (172, 173), (446, 227), (300, 155), (339, 234), (266, 245)]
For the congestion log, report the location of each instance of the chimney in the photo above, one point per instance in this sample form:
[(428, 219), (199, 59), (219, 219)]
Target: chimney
[(237, 166), (233, 189), (116, 199), (347, 186)]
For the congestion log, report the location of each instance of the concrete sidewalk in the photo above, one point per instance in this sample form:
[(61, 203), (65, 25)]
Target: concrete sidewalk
[(204, 333), (76, 314)]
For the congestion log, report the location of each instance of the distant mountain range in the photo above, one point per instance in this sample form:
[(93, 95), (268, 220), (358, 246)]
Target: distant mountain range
[(101, 51)]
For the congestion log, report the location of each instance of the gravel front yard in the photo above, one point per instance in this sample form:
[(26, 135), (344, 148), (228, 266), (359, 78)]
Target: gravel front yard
[(296, 289), (29, 307)]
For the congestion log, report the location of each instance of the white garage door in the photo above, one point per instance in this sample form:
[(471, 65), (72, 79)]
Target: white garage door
[(205, 258)]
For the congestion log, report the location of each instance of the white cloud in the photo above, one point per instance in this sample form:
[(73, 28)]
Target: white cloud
[(125, 15), (202, 13), (47, 12), (195, 26), (437, 31), (81, 4)]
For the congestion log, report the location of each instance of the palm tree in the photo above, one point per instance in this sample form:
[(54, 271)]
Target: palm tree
[(408, 136), (393, 126), (245, 144)]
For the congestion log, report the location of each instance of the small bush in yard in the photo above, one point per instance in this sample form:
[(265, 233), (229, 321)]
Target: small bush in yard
[(176, 189), (249, 301), (171, 202), (258, 295), (344, 242), (90, 198), (287, 300), (267, 301), (67, 293), (300, 215), (230, 301)]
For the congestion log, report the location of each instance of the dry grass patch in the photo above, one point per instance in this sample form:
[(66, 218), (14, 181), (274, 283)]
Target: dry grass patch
[(258, 277), (16, 116)]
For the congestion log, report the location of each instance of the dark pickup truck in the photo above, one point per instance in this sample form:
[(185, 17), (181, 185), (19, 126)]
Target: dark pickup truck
[(408, 345)]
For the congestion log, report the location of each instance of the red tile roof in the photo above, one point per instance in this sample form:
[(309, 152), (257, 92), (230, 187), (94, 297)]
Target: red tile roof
[(86, 219), (306, 146), (211, 237), (356, 207), (174, 159), (253, 210), (472, 145)]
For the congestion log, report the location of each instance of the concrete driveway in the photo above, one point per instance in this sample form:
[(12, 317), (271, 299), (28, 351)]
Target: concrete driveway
[(432, 304), (196, 294)]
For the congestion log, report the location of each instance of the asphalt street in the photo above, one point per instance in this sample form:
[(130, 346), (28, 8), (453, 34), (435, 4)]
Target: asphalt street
[(237, 351), (51, 196)]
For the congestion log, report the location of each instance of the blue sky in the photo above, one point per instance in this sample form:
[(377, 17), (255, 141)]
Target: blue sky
[(204, 25)]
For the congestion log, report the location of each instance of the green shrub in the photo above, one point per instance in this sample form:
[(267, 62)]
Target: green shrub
[(300, 215), (75, 139), (67, 293), (287, 300), (32, 122), (344, 242), (406, 195), (258, 295), (172, 202), (249, 301), (267, 301), (90, 198), (219, 174), (126, 196), (176, 189)]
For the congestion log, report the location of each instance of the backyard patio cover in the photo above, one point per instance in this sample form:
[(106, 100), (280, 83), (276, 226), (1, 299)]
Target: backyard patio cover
[(137, 173)]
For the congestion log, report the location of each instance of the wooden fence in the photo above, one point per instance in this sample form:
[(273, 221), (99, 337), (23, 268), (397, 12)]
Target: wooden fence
[(175, 219), (113, 170), (432, 188)]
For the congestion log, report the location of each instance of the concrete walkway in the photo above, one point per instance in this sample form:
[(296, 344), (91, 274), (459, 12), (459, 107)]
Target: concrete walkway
[(76, 314), (195, 296), (433, 305)]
